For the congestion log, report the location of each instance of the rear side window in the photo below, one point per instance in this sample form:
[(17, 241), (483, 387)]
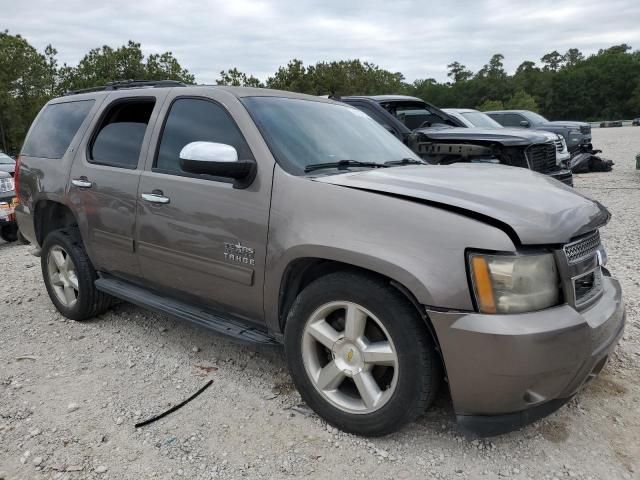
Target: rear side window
[(55, 128), (118, 139), (193, 120)]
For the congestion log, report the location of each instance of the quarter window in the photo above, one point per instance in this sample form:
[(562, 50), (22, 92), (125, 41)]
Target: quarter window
[(119, 138), (194, 120), (55, 128)]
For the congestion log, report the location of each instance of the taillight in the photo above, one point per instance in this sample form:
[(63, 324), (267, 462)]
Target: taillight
[(16, 178)]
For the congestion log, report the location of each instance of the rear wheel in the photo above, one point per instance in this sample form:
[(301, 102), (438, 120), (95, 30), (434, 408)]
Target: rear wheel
[(69, 276), (360, 355)]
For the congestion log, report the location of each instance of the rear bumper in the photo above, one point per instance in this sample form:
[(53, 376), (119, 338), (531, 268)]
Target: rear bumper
[(564, 175), (507, 370)]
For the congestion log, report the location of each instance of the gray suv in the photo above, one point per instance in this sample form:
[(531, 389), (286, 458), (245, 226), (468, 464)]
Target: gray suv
[(577, 135), (274, 217)]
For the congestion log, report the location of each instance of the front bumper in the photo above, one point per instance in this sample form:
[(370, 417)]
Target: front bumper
[(507, 370)]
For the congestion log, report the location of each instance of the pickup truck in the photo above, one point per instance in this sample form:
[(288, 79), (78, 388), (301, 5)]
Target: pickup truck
[(442, 139)]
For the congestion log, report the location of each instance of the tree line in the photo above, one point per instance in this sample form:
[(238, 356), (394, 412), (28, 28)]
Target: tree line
[(605, 85)]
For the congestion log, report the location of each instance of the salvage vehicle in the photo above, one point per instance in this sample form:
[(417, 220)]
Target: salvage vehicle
[(7, 164), (274, 217), (576, 134), (442, 139), (8, 225), (476, 119)]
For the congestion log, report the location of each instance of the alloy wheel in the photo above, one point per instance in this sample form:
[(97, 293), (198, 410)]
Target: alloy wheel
[(62, 276), (350, 357)]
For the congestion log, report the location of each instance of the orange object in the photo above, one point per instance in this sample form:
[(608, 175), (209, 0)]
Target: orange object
[(482, 283)]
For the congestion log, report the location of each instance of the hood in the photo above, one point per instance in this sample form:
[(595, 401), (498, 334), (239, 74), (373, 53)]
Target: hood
[(504, 136), (564, 124), (534, 208)]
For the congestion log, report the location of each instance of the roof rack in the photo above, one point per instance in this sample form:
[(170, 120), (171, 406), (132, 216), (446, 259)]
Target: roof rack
[(122, 84)]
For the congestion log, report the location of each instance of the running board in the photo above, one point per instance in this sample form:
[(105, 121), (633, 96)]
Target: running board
[(153, 301)]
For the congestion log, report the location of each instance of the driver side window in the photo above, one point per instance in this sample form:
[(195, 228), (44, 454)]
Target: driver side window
[(192, 120), (512, 120)]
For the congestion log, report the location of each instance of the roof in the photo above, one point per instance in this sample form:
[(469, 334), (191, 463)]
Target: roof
[(137, 88), (507, 111), (460, 110), (387, 98)]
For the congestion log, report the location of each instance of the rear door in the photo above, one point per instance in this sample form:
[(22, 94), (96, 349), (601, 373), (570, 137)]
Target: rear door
[(103, 187), (205, 243)]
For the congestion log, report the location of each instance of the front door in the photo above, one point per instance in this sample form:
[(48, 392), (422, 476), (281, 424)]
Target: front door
[(198, 238), (104, 179)]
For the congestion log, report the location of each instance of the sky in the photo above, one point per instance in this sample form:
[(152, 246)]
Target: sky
[(417, 38)]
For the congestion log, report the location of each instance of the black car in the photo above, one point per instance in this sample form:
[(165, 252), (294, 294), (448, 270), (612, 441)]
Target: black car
[(636, 122), (442, 139)]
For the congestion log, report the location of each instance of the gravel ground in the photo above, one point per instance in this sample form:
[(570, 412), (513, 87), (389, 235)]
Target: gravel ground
[(70, 392)]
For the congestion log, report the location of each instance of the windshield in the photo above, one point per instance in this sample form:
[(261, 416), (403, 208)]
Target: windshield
[(534, 118), (6, 159), (479, 119), (305, 132), (417, 115)]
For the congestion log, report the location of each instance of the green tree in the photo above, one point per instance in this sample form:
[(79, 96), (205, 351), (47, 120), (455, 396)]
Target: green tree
[(572, 57), (552, 61), (521, 100), (236, 78), (24, 87), (488, 105), (458, 72)]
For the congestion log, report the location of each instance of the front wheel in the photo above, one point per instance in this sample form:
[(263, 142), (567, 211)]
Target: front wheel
[(360, 355)]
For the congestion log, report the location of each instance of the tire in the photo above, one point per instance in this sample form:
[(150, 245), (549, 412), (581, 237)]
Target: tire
[(63, 251), (9, 233), (406, 383)]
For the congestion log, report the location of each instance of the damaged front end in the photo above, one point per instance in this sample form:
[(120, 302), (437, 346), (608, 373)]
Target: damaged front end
[(539, 157)]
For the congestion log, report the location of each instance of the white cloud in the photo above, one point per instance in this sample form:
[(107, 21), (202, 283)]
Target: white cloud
[(416, 38)]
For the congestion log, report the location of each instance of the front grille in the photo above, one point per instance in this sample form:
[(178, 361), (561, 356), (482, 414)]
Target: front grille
[(583, 248), (558, 144), (542, 157)]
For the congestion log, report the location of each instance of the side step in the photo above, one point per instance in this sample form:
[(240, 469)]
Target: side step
[(153, 301)]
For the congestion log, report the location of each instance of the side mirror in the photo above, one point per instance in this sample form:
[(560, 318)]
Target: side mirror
[(218, 160), (524, 123)]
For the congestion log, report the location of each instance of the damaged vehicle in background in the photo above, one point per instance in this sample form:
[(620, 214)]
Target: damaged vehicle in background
[(576, 134), (7, 164), (442, 139), (477, 119)]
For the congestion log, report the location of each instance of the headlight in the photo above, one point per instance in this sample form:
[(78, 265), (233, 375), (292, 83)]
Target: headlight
[(514, 283), (6, 184)]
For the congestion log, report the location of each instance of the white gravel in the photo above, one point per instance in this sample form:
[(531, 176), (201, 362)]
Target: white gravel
[(70, 392)]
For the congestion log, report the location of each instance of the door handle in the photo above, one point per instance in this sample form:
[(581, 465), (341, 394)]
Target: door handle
[(82, 182), (155, 197)]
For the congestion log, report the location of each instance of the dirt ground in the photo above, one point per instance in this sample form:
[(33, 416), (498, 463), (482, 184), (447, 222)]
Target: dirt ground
[(70, 392)]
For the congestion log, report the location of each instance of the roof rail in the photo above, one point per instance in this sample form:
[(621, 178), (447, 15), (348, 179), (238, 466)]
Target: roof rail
[(122, 84)]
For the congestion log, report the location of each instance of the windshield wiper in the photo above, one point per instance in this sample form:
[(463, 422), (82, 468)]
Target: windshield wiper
[(342, 165), (406, 161)]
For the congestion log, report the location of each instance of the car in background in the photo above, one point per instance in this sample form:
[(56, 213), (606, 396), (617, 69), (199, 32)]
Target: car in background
[(576, 134), (635, 122), (474, 118), (442, 139), (7, 164), (610, 123), (8, 225)]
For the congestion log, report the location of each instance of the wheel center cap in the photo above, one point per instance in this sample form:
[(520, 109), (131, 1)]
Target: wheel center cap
[(347, 357)]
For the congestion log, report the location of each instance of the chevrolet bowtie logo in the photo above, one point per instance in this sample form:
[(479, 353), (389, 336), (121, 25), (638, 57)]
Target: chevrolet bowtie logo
[(349, 355)]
